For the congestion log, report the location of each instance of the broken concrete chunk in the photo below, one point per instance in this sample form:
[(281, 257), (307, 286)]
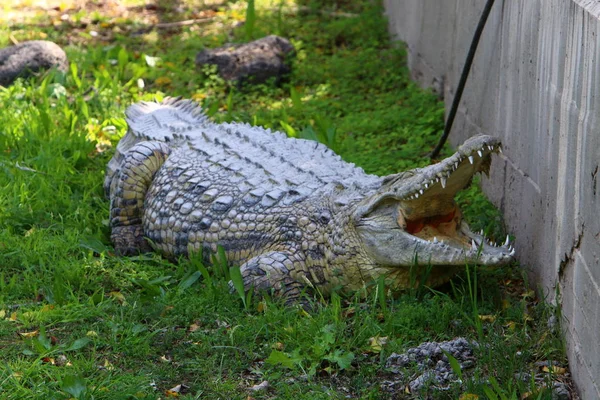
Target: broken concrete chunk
[(27, 58), (254, 62)]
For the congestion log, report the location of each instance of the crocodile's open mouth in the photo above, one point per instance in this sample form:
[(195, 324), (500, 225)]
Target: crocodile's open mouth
[(429, 212), (414, 217)]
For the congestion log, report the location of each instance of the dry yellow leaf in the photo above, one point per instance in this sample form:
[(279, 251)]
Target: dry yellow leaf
[(163, 80), (107, 365), (468, 396), (277, 346), (487, 318), (193, 327), (47, 308), (29, 334), (91, 334), (376, 343), (555, 370), (13, 316), (511, 325), (261, 307), (118, 296), (199, 96), (530, 294)]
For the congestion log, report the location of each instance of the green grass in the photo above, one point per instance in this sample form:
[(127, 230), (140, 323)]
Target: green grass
[(78, 322)]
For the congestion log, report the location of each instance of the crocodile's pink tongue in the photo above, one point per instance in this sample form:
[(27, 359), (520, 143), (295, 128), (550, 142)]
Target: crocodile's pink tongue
[(417, 226)]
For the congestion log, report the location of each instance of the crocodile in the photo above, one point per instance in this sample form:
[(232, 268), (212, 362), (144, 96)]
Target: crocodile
[(289, 212)]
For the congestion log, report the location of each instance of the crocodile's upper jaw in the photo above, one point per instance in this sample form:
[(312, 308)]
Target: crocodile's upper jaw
[(414, 218)]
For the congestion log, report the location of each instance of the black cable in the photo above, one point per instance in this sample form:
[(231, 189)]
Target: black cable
[(463, 78)]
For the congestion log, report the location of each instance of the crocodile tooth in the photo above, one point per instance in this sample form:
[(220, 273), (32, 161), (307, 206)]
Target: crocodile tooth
[(490, 148), (507, 241), (456, 165), (499, 149), (480, 153), (471, 159), (435, 239), (481, 232), (443, 181), (416, 196), (421, 191), (426, 185), (512, 253), (473, 245)]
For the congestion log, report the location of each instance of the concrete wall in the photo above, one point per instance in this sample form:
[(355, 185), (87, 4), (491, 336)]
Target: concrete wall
[(535, 84)]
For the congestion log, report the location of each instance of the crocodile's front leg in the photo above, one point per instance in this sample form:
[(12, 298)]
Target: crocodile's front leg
[(278, 272), (138, 168)]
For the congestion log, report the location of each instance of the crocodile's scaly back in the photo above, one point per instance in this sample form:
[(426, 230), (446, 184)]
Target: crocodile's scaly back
[(269, 158)]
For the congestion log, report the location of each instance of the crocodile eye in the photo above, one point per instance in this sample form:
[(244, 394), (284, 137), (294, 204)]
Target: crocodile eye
[(325, 217)]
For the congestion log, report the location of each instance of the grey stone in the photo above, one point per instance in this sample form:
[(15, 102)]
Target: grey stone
[(28, 58), (431, 361), (560, 391), (255, 62)]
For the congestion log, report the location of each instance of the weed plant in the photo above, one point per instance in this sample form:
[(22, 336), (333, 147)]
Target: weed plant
[(76, 321)]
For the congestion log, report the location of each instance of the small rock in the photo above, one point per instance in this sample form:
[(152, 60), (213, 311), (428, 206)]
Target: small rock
[(552, 322), (560, 391), (27, 58), (261, 386), (254, 62)]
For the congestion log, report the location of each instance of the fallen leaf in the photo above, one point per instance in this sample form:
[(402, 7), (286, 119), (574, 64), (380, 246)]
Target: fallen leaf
[(193, 327), (277, 346), (47, 308), (511, 325), (530, 294), (29, 334), (165, 359), (376, 343), (91, 334), (487, 318), (13, 316), (261, 307), (468, 396), (555, 370), (349, 312), (48, 360), (176, 391), (118, 296), (163, 80), (107, 365), (198, 97)]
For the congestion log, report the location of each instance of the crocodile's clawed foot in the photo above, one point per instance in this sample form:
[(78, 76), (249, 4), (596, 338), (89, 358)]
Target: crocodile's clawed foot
[(129, 240)]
